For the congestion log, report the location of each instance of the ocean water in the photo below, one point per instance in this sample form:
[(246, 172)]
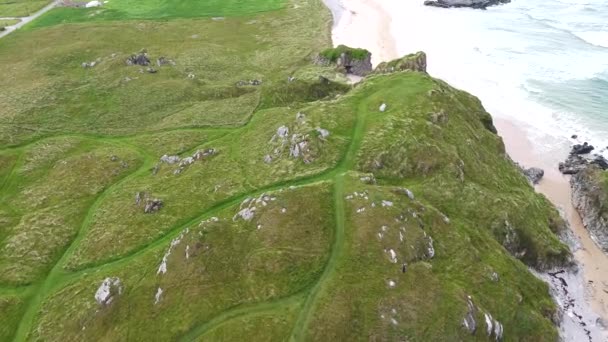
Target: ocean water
[(541, 63)]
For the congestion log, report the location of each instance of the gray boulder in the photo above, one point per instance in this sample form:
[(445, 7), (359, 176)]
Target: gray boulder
[(534, 174)]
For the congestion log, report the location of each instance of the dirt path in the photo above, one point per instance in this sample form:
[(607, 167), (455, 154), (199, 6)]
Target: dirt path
[(26, 20)]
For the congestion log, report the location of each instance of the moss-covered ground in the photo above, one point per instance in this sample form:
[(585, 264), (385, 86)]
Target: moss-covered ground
[(382, 225)]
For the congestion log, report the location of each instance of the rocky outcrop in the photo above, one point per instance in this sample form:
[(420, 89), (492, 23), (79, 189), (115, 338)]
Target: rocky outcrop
[(478, 4), (347, 60), (590, 198), (534, 174), (589, 195), (140, 59), (413, 62)]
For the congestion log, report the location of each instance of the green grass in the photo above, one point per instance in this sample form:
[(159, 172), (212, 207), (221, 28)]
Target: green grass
[(332, 54), (117, 10), (20, 8), (78, 143), (9, 22)]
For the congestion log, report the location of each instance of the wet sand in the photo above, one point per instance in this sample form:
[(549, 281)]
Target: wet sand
[(556, 187)]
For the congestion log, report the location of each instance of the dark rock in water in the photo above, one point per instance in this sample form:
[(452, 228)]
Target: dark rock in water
[(478, 4), (582, 149), (601, 162), (153, 205), (573, 164), (412, 62), (347, 60), (139, 59), (534, 174)]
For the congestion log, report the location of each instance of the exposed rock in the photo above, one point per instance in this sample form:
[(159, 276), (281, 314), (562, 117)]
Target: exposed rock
[(584, 148), (282, 131), (469, 322), (199, 155), (170, 159), (157, 296), (347, 60), (534, 174), (153, 205), (139, 59), (248, 83), (164, 61), (323, 133), (412, 62), (588, 197), (109, 288), (94, 3), (478, 4), (439, 118)]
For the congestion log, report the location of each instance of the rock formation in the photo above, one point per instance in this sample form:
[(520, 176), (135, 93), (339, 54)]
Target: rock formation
[(588, 190), (478, 4), (347, 60), (413, 62)]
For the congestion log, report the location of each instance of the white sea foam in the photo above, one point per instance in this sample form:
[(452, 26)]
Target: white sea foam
[(527, 61)]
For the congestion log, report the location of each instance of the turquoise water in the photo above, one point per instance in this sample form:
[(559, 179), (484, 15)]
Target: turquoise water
[(541, 63)]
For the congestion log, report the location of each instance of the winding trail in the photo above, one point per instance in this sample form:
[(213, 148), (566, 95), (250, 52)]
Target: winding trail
[(58, 276)]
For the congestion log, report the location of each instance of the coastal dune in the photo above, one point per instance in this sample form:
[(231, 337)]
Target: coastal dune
[(370, 24)]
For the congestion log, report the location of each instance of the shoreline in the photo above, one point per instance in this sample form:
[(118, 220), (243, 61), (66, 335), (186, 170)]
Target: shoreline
[(590, 284)]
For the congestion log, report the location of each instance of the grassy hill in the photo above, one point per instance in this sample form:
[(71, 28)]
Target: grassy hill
[(298, 210)]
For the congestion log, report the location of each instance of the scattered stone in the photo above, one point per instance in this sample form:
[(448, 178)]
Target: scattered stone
[(157, 296), (191, 76), (574, 136), (199, 155), (94, 3), (170, 159), (87, 65), (323, 133), (248, 83), (291, 79), (107, 290), (246, 214), (283, 131), (153, 205), (382, 107), (494, 277), (406, 192), (387, 203), (151, 71), (113, 158), (391, 284), (469, 322), (139, 59), (139, 196), (267, 159), (393, 256), (164, 61)]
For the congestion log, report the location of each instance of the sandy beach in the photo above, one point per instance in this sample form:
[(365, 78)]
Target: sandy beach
[(367, 24)]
